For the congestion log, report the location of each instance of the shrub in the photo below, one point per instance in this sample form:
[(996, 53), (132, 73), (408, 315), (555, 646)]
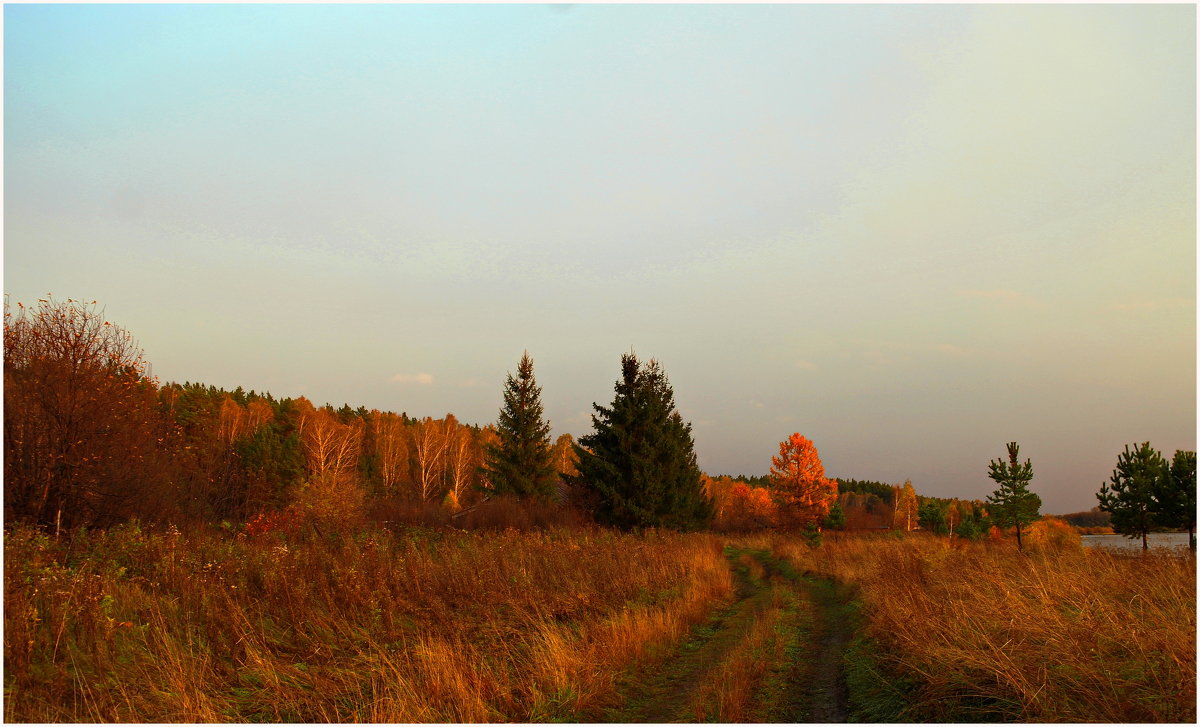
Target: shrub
[(333, 503), (503, 513), (1053, 535), (286, 521)]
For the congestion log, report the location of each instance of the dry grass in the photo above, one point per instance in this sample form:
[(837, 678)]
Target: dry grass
[(1059, 633), (727, 692), (423, 626)]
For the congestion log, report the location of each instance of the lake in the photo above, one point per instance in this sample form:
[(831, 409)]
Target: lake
[(1120, 542)]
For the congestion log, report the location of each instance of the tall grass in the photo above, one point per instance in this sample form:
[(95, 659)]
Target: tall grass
[(419, 626), (727, 692), (1058, 633)]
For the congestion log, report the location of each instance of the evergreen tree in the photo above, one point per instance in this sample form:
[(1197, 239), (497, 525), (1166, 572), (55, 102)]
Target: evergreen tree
[(1012, 504), (932, 517), (1131, 498), (1177, 495), (519, 463), (836, 519), (639, 461)]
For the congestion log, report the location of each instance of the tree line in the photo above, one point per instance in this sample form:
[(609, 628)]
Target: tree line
[(92, 438)]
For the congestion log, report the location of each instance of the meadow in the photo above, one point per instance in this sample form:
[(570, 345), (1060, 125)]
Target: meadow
[(960, 631), (424, 625)]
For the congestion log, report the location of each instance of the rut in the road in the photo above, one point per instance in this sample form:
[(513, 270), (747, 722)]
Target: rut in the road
[(773, 655)]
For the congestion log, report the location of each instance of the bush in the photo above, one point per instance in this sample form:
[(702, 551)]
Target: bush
[(334, 503), (969, 529), (286, 521), (503, 513), (393, 511), (1052, 535)]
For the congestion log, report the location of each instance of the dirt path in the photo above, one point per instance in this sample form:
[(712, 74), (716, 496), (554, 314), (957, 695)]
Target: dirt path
[(772, 655)]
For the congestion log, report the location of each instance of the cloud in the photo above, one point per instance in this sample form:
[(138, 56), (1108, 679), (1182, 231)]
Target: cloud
[(583, 417), (424, 379), (952, 350), (470, 383), (1001, 294), (1150, 304), (806, 365)]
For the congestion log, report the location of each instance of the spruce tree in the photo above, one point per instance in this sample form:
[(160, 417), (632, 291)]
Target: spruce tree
[(519, 463), (1012, 504), (640, 460)]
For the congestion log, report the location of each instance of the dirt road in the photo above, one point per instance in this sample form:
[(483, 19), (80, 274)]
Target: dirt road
[(772, 655)]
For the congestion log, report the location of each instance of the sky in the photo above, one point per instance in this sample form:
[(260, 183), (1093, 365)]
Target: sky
[(910, 233)]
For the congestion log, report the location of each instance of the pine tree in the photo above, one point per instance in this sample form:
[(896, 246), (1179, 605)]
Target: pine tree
[(1177, 495), (1131, 499), (836, 519), (519, 464), (932, 517), (639, 461), (1012, 504)]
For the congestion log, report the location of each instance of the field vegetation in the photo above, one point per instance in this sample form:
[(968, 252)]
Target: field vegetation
[(961, 631), (418, 626)]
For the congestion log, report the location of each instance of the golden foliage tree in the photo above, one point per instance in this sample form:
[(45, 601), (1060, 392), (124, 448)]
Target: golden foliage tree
[(82, 432), (463, 458), (391, 445), (331, 448), (906, 507), (431, 440), (802, 493)]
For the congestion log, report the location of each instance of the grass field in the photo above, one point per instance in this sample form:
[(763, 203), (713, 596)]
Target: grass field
[(980, 631), (422, 626), (426, 625)]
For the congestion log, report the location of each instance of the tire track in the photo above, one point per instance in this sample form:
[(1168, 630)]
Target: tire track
[(772, 655)]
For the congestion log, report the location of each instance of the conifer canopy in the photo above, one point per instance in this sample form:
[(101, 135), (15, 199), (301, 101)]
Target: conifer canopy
[(1130, 495), (519, 463), (640, 460), (1012, 504)]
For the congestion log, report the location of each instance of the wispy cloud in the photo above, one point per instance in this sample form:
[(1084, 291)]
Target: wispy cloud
[(583, 418), (1156, 304), (1001, 294), (806, 365), (424, 379), (470, 383), (951, 350)]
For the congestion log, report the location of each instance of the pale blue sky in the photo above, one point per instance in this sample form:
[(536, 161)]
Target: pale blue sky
[(911, 233)]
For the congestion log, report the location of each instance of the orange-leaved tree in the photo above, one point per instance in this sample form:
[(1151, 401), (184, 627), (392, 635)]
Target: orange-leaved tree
[(802, 493)]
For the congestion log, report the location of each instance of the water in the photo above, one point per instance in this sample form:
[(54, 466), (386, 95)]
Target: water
[(1120, 542)]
